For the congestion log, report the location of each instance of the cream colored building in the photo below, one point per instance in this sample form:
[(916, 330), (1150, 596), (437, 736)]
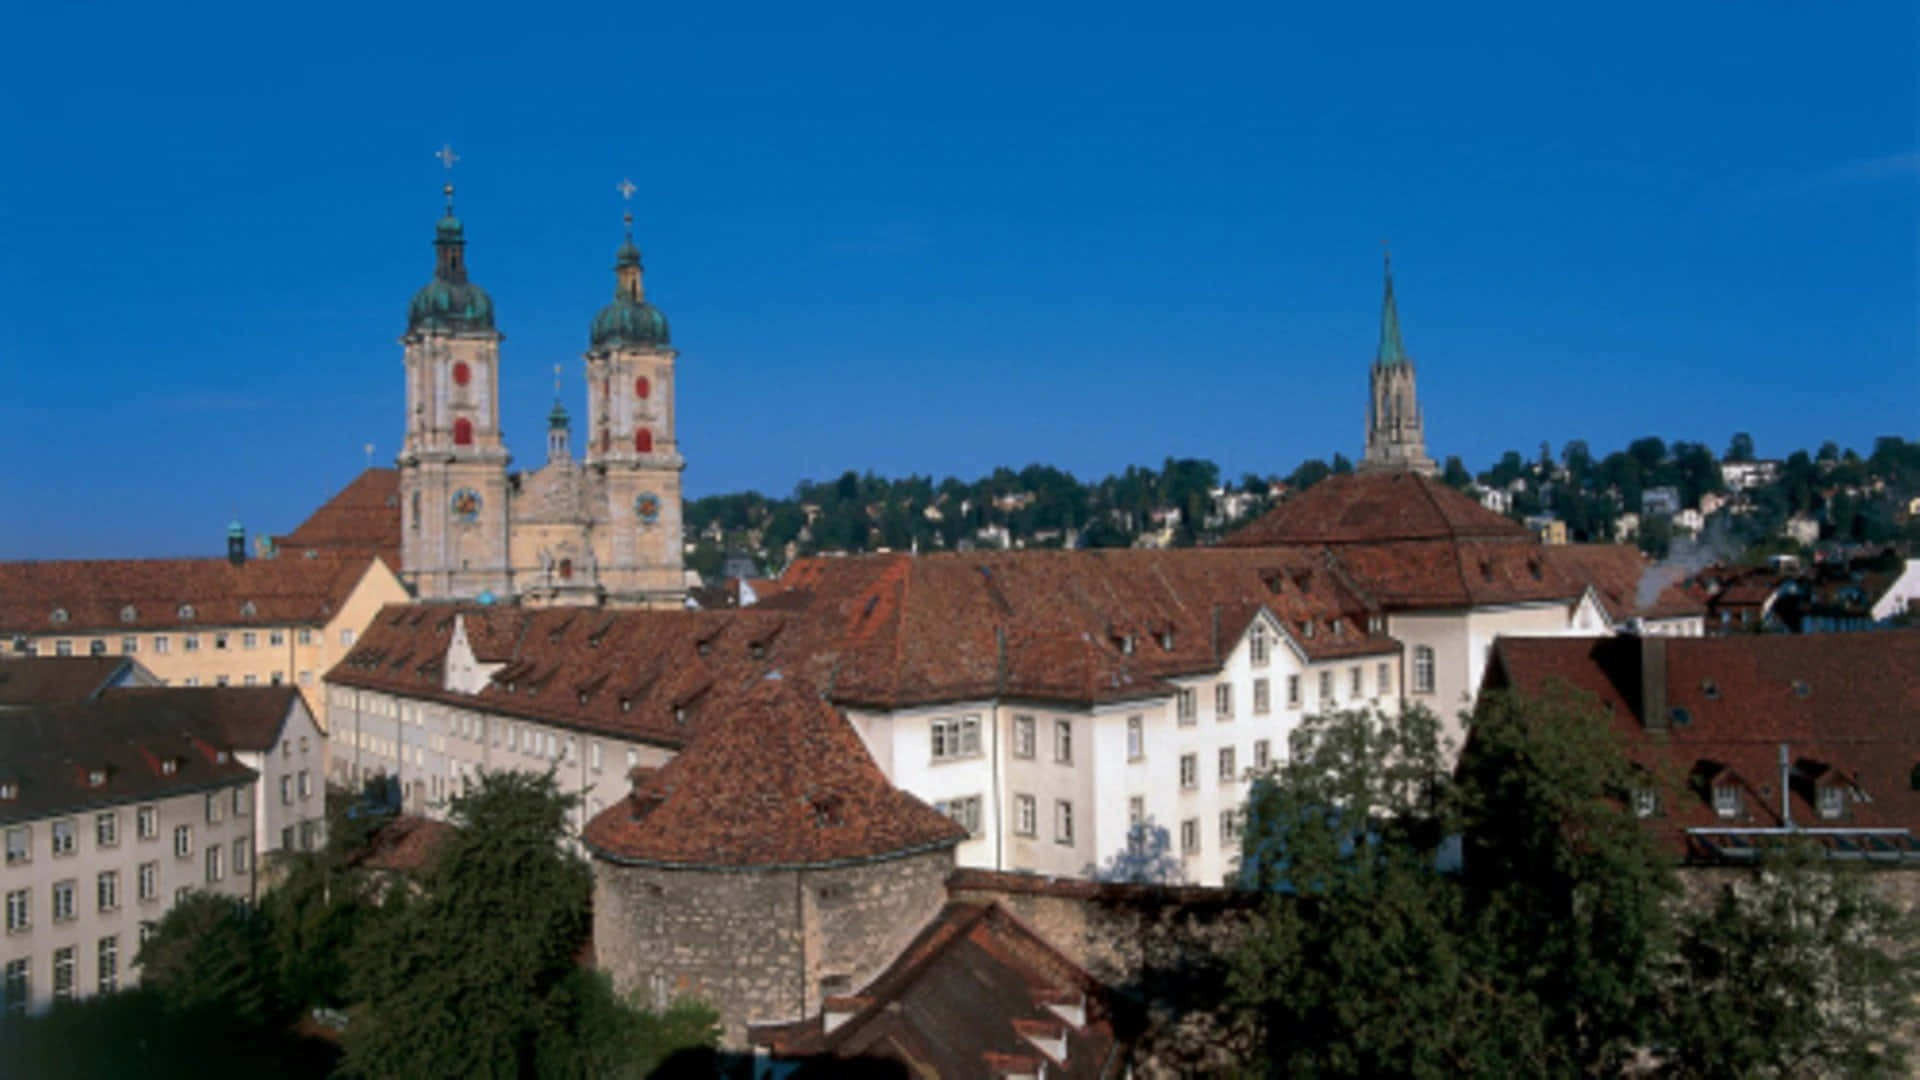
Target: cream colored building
[(199, 622), (113, 812)]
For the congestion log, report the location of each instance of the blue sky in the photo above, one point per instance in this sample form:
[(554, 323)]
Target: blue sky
[(930, 238)]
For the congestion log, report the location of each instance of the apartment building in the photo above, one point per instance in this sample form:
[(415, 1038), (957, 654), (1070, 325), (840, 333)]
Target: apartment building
[(113, 811)]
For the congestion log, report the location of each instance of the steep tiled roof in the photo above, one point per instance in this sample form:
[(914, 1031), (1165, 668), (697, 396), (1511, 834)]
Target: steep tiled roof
[(404, 845), (107, 596), (47, 754), (977, 993), (780, 779), (1847, 705), (362, 518), (246, 717), (57, 680), (1615, 572), (1374, 507)]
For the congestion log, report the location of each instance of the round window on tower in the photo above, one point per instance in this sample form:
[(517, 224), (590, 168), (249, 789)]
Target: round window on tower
[(462, 374), (643, 441), (641, 387)]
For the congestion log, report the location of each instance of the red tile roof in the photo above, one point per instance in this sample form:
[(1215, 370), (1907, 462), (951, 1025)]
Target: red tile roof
[(404, 845), (247, 717), (108, 596), (970, 996), (57, 680), (781, 780), (1849, 703), (1615, 572), (1375, 507), (362, 518)]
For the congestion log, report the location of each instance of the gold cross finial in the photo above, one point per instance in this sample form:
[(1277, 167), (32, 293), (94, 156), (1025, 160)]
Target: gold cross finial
[(626, 188), (447, 158), (556, 381)]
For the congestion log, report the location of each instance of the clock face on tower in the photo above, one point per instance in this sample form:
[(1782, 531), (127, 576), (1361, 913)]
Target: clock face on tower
[(465, 505), (647, 506)]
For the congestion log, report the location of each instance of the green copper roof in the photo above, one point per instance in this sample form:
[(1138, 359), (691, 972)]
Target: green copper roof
[(450, 304), (1391, 353), (558, 417), (629, 320)]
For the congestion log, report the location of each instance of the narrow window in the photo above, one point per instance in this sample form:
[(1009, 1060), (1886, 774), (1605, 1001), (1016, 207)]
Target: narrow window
[(463, 432)]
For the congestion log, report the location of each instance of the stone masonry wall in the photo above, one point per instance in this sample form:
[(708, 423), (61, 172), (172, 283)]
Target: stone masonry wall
[(860, 917)]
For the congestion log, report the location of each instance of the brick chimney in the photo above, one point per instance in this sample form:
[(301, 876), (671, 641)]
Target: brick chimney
[(1653, 682)]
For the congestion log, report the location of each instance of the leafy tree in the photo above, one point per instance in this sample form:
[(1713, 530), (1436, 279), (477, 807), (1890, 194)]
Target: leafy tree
[(1797, 969), (476, 974), (1341, 465), (1740, 448), (1656, 535), (1147, 858), (1578, 461), (1509, 468), (589, 1033), (1456, 475), (213, 954), (1307, 474)]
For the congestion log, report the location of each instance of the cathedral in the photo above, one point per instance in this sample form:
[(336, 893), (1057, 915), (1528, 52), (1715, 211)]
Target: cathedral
[(1396, 439), (600, 531)]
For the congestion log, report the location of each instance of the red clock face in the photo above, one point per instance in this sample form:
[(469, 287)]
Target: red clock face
[(461, 374), (640, 387)]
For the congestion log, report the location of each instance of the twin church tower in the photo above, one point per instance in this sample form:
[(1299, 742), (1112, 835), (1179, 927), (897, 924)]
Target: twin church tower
[(604, 530)]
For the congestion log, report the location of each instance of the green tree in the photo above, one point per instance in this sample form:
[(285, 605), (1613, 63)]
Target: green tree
[(1740, 447), (1456, 474), (213, 954)]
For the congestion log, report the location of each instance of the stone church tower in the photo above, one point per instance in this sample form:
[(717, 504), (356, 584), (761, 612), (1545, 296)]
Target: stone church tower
[(1395, 436), (453, 475)]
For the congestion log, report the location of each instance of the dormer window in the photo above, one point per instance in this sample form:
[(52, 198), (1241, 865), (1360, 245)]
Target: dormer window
[(1339, 627), (128, 614), (704, 648), (583, 697), (185, 611), (59, 616), (169, 766), (1166, 640), (248, 611), (1126, 644), (9, 789), (1726, 800), (679, 714), (1833, 801), (757, 650), (96, 777), (1376, 625), (626, 704), (1256, 646), (1306, 628), (1710, 689), (222, 757), (1801, 689), (1645, 802)]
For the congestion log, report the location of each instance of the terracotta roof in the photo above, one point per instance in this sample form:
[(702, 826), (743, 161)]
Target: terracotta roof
[(247, 717), (781, 779), (1615, 572), (362, 518), (108, 596), (48, 754), (1372, 507), (404, 845), (977, 993), (57, 680), (1846, 703)]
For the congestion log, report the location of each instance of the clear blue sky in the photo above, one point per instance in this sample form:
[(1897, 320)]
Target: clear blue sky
[(937, 238)]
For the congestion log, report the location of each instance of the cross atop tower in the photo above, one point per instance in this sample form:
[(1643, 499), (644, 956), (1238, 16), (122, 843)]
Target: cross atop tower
[(447, 159)]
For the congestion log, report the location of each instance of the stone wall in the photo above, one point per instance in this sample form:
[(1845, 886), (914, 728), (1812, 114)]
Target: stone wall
[(760, 946)]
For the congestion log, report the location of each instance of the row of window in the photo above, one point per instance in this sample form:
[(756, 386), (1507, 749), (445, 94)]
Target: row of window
[(221, 640), (1227, 758), (63, 833), (106, 886), (1026, 818), (16, 991)]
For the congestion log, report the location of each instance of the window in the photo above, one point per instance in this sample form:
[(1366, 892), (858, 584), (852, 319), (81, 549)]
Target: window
[(286, 791), (109, 963), (190, 642), (1025, 815), (1223, 701), (346, 636), (129, 646), (1262, 697), (593, 756), (306, 678), (1190, 836), (1062, 822), (19, 844), (1262, 753), (107, 890), (276, 638), (222, 680), (1832, 801), (307, 833), (182, 841), (19, 911), (276, 678), (1644, 802), (63, 907), (220, 639), (306, 778), (216, 869), (304, 637), (286, 838), (955, 737), (1293, 690), (1227, 770), (1136, 810), (63, 647), (63, 974), (1326, 687), (240, 801), (146, 822), (1184, 705), (1257, 645), (149, 880), (1423, 669), (1023, 736), (249, 639), (965, 811), (1229, 829), (216, 808), (18, 988), (1136, 738), (1383, 680), (97, 647), (161, 644), (1189, 770), (1355, 684), (249, 680), (1726, 800), (1063, 741), (240, 855), (63, 836)]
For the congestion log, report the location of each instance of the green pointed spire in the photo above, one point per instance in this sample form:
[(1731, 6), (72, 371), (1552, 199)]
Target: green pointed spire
[(1391, 353)]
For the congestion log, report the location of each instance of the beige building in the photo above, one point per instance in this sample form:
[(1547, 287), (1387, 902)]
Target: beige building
[(199, 622), (603, 530), (113, 810)]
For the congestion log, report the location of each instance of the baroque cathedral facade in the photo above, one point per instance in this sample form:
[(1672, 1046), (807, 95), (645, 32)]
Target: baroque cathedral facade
[(604, 530)]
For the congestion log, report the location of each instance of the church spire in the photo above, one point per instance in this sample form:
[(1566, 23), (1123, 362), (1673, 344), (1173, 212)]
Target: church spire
[(1391, 353)]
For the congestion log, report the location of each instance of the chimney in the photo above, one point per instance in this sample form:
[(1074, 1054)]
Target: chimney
[(1653, 682)]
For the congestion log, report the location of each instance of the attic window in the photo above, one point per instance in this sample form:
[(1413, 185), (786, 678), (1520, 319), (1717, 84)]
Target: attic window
[(757, 650), (626, 704), (679, 714), (1832, 801), (1376, 625), (1486, 569), (1166, 640), (1306, 628), (1711, 689), (1646, 802), (9, 789), (1726, 800), (169, 766), (222, 756), (248, 611), (1339, 627), (1678, 716), (583, 697), (96, 777), (59, 616), (704, 648), (1801, 689), (128, 614), (1126, 644), (186, 611), (1533, 567)]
